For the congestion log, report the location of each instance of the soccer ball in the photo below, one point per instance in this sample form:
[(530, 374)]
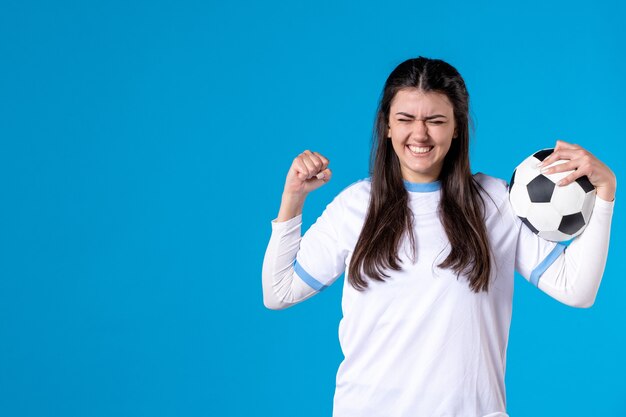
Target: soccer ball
[(553, 212)]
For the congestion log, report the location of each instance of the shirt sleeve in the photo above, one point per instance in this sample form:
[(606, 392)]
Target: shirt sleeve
[(533, 254), (570, 274), (574, 277), (297, 267)]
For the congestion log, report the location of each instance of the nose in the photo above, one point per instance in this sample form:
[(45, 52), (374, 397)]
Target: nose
[(420, 130)]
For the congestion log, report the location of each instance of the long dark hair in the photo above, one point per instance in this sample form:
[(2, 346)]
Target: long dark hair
[(461, 207)]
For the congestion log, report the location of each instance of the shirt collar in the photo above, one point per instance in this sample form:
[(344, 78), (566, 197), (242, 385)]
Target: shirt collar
[(422, 187)]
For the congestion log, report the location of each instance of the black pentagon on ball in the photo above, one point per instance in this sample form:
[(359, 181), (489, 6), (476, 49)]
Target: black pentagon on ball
[(540, 189), (543, 154), (527, 223), (571, 223), (585, 184)]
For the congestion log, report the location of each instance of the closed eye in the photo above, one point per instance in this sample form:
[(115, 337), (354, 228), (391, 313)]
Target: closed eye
[(408, 120)]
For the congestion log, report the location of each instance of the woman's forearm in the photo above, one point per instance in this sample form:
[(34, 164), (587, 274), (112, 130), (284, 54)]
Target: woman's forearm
[(574, 278), (290, 206)]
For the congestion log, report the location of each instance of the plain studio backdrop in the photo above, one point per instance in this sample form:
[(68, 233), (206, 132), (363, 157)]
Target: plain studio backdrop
[(144, 151)]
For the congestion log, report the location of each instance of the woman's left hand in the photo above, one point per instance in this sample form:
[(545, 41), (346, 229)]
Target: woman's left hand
[(583, 163)]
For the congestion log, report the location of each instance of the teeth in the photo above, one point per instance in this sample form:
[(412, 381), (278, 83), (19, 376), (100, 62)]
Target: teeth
[(417, 149)]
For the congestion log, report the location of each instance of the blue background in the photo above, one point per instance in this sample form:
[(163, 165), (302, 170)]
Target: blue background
[(144, 150)]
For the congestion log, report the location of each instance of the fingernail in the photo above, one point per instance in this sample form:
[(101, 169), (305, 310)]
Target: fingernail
[(543, 170)]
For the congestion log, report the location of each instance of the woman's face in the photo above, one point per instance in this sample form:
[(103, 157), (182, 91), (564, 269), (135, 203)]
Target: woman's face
[(421, 122)]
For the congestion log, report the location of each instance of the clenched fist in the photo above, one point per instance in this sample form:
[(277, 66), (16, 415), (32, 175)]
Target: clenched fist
[(308, 172)]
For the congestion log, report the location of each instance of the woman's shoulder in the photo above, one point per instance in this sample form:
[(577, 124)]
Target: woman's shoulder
[(497, 188), (354, 195), (359, 188)]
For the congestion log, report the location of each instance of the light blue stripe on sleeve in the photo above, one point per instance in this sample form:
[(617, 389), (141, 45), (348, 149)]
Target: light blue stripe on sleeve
[(545, 264), (306, 277)]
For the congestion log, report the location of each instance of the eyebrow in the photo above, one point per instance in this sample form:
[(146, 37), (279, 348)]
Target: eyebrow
[(434, 116)]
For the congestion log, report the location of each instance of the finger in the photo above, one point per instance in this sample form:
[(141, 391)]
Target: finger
[(324, 175), (319, 162), (302, 172), (571, 177), (565, 166), (324, 160), (548, 159), (312, 162), (558, 154), (561, 144)]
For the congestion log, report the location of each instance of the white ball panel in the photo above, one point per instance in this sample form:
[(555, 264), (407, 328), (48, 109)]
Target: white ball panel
[(520, 200), (590, 200), (568, 199), (526, 171), (544, 217)]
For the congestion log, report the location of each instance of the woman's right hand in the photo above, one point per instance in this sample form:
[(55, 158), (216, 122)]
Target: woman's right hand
[(308, 172)]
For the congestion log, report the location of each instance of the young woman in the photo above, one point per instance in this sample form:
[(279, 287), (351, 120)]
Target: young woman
[(429, 250)]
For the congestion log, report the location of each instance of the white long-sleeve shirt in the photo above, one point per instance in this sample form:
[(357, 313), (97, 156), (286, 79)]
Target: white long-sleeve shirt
[(422, 343)]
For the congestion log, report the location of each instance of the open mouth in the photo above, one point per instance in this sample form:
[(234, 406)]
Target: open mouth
[(419, 150)]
